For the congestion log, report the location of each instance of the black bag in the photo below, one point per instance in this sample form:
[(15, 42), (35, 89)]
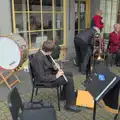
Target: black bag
[(45, 110)]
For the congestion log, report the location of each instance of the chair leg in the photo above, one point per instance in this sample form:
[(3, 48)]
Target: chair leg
[(58, 95), (36, 91), (116, 116), (32, 94)]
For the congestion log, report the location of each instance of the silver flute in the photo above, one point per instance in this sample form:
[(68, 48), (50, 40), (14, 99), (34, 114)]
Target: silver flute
[(58, 68)]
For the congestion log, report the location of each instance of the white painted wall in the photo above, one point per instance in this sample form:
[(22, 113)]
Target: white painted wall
[(5, 17)]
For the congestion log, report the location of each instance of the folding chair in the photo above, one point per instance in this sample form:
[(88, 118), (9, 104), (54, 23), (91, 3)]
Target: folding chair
[(29, 111), (5, 78)]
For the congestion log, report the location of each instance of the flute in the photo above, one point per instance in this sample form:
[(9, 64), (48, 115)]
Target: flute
[(58, 68)]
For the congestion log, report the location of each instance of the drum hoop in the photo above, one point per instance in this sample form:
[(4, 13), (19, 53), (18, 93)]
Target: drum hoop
[(2, 68)]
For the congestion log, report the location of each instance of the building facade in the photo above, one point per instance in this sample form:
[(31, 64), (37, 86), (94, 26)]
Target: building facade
[(58, 20)]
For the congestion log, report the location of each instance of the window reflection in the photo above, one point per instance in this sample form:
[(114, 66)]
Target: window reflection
[(35, 21), (21, 22), (118, 16), (20, 5), (34, 5), (47, 21), (59, 36), (59, 21), (36, 39), (47, 5), (58, 5)]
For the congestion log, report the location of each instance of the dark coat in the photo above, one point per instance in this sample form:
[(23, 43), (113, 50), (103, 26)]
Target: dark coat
[(86, 35), (42, 67)]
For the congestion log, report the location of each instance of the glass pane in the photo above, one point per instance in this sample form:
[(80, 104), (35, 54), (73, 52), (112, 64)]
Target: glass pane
[(82, 15), (25, 36), (47, 21), (20, 5), (58, 5), (59, 36), (48, 35), (47, 5), (35, 23), (59, 20), (118, 16), (21, 22), (36, 39), (34, 5)]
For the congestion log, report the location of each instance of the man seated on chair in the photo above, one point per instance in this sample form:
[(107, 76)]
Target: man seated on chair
[(45, 72), (114, 43)]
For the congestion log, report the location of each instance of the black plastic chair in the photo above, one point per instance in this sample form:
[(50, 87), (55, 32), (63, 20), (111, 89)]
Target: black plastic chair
[(35, 111), (37, 85)]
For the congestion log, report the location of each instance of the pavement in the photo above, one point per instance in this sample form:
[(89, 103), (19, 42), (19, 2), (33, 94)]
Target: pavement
[(25, 89)]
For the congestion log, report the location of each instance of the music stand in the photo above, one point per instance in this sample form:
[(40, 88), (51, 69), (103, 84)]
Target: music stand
[(115, 118), (99, 88)]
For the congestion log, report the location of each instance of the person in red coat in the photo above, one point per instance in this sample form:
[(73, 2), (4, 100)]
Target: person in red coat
[(97, 20), (114, 43)]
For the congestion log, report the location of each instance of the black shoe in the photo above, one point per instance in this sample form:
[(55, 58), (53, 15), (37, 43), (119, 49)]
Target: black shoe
[(73, 108)]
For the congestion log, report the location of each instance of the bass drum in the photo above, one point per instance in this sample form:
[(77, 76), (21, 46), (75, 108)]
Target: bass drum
[(13, 52)]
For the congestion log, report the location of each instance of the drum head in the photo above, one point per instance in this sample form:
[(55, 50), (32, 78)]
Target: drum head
[(9, 54)]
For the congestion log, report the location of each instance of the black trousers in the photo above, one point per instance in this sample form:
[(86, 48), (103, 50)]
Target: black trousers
[(117, 59), (83, 54), (68, 88)]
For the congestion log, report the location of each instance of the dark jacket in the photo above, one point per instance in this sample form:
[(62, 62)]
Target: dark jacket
[(56, 52), (42, 68), (86, 35)]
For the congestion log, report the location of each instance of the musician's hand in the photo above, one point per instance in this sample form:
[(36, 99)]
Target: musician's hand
[(59, 73)]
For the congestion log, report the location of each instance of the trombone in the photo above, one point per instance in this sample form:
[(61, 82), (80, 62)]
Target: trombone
[(98, 54)]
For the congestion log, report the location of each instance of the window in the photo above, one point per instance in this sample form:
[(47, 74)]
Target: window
[(82, 14), (39, 20), (111, 13), (118, 15)]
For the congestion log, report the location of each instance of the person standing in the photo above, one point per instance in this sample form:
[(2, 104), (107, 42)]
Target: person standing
[(83, 47), (97, 20)]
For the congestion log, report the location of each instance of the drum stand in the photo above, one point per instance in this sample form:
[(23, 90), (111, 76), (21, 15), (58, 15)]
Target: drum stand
[(5, 78)]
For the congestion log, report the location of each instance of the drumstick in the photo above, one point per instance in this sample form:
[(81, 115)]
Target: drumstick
[(58, 68)]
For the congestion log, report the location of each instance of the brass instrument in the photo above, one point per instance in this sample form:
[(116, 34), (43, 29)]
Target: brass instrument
[(58, 67), (100, 51), (98, 54)]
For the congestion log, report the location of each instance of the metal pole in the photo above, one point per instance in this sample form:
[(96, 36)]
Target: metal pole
[(94, 110)]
